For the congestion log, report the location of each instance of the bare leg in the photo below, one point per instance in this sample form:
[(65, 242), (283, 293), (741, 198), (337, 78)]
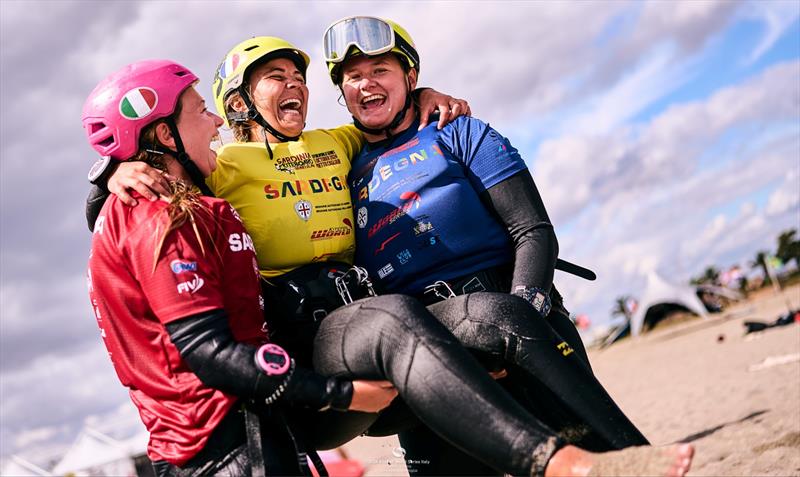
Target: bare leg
[(668, 461)]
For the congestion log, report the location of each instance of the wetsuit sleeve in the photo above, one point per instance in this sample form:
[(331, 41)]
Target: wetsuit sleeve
[(518, 206), (208, 347), (350, 138), (94, 203)]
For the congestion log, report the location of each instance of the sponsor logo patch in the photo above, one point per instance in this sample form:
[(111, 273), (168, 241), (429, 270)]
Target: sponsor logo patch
[(191, 286), (180, 266), (404, 257), (276, 189), (385, 271), (412, 199), (361, 217), (330, 232), (239, 242), (303, 209), (422, 227)]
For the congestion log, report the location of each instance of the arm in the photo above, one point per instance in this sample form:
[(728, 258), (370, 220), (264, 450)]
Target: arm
[(207, 346), (519, 207), (94, 203)]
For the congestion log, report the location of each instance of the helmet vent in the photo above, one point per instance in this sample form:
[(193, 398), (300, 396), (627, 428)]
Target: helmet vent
[(180, 73), (251, 48), (107, 141), (94, 127)]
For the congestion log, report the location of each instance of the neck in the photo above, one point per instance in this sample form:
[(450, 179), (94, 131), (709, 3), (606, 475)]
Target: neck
[(175, 169), (408, 120)]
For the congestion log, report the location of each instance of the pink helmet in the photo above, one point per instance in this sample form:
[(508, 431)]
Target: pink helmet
[(128, 100)]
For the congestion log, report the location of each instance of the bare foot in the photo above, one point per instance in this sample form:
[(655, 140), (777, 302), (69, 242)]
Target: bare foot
[(668, 461)]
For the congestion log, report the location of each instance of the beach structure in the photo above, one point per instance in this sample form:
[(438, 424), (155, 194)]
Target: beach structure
[(95, 453)]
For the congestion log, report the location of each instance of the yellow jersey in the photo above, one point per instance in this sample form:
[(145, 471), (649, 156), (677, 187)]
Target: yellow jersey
[(296, 206)]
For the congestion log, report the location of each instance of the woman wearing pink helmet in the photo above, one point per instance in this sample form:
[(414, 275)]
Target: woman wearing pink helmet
[(174, 286)]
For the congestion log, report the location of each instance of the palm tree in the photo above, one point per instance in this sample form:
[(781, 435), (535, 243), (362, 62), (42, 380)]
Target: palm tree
[(761, 261), (788, 247), (620, 306), (710, 275)]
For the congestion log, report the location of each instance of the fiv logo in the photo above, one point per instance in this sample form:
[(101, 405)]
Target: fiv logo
[(191, 286)]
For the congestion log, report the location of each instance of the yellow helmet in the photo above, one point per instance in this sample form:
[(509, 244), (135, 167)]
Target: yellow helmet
[(234, 68), (369, 36)]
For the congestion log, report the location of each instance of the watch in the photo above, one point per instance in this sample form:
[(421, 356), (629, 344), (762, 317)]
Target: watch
[(273, 360), (538, 298), (101, 169)]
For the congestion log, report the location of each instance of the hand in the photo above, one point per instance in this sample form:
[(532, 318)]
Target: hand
[(498, 374), (449, 107), (144, 179), (372, 396)]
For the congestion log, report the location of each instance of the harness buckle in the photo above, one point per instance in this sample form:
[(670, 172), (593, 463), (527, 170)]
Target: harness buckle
[(440, 289), (356, 277)]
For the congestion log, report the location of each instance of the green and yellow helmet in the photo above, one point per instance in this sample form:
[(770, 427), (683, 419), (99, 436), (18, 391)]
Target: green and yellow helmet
[(234, 68), (369, 36)]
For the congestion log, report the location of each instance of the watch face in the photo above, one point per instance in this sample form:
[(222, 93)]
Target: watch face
[(98, 168)]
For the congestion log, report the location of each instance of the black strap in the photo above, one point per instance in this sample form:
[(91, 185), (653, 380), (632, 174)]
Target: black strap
[(576, 270), (253, 114), (184, 160), (253, 427), (303, 454)]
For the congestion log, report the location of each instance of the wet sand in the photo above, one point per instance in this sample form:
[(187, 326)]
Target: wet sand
[(736, 397)]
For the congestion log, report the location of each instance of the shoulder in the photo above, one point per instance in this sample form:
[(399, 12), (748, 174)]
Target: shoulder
[(465, 124), (229, 151)]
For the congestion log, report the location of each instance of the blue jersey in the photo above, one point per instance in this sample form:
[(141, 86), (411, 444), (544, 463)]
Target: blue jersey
[(418, 212)]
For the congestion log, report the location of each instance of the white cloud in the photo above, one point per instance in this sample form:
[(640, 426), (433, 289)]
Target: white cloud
[(633, 194), (777, 16), (786, 197)]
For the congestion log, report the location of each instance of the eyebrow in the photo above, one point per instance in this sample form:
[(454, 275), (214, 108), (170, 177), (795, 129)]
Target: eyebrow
[(375, 62)]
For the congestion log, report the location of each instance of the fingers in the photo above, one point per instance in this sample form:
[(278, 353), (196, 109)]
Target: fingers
[(125, 197), (149, 182), (498, 374), (424, 114), (444, 116)]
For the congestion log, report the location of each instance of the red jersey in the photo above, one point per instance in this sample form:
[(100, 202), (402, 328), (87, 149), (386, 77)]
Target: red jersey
[(134, 295)]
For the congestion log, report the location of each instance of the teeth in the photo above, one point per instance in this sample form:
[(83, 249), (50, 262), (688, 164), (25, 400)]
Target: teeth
[(292, 101), (372, 97)]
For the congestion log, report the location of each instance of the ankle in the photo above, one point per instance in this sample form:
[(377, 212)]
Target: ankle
[(569, 460)]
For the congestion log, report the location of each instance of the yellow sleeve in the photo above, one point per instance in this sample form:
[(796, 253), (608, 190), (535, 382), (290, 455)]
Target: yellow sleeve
[(350, 138)]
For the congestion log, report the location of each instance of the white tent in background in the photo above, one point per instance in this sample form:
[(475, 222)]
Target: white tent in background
[(94, 453), (19, 467), (659, 292)]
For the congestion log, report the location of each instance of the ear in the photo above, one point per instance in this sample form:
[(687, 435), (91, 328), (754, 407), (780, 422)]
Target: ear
[(237, 103), (412, 79), (164, 135)]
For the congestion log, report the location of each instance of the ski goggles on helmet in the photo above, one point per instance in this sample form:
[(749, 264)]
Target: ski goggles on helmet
[(372, 36)]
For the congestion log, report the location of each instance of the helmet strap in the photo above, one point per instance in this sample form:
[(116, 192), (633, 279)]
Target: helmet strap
[(184, 160), (253, 114)]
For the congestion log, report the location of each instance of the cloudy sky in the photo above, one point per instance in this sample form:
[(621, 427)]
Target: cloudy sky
[(664, 136)]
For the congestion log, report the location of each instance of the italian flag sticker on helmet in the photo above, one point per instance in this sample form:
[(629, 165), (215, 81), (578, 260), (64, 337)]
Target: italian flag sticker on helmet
[(138, 103)]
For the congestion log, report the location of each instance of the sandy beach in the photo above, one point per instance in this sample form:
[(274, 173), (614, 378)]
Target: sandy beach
[(736, 397)]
